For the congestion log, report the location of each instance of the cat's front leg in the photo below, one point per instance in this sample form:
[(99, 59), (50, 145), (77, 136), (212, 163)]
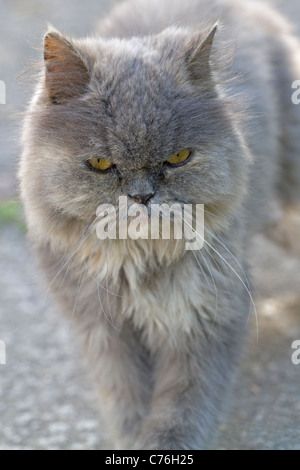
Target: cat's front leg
[(117, 358), (190, 392), (122, 371)]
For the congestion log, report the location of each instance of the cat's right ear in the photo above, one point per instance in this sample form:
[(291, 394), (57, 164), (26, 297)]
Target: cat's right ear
[(199, 55), (66, 72)]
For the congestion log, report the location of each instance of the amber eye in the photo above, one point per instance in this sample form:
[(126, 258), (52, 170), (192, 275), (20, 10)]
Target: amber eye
[(180, 158), (99, 164)]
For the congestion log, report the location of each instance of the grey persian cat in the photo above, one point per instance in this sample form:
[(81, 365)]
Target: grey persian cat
[(172, 102)]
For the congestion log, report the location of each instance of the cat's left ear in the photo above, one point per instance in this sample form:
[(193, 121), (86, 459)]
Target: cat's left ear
[(199, 54), (66, 72)]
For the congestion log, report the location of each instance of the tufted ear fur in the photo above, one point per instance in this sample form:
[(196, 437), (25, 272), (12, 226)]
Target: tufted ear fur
[(199, 54), (66, 72)]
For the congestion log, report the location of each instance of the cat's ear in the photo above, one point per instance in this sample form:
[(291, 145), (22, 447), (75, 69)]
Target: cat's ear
[(199, 54), (66, 72)]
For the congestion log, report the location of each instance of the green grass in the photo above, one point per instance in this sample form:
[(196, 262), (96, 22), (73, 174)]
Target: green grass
[(11, 213)]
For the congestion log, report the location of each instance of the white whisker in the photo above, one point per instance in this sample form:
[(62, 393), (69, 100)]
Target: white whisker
[(233, 270)]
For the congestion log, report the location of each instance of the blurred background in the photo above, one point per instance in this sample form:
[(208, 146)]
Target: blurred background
[(46, 398)]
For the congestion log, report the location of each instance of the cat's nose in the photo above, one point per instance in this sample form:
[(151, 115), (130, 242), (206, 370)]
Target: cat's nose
[(142, 198)]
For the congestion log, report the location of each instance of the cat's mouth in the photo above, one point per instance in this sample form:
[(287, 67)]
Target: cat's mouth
[(139, 220), (151, 222), (141, 210)]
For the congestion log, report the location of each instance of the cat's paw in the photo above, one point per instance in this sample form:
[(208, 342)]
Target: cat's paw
[(168, 440)]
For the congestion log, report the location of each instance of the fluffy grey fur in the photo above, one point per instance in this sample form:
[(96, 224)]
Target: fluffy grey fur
[(162, 327)]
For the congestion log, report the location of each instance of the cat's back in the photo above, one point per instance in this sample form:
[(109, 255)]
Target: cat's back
[(244, 17)]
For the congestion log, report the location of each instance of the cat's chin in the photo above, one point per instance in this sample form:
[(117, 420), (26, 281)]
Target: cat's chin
[(138, 223)]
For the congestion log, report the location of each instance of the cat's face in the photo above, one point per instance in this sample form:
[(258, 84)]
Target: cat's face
[(131, 106)]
